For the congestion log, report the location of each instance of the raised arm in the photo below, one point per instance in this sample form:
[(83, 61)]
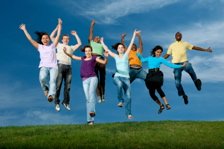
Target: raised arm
[(91, 30), (106, 48), (33, 42), (79, 43), (202, 49), (140, 43), (122, 38), (132, 41), (72, 56), (52, 36), (55, 42)]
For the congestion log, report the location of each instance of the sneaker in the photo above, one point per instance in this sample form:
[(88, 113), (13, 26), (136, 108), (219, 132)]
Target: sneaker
[(198, 84), (120, 104), (67, 106), (50, 98), (103, 99), (130, 117), (185, 99), (168, 107), (161, 109), (90, 122), (57, 107), (92, 114), (99, 99)]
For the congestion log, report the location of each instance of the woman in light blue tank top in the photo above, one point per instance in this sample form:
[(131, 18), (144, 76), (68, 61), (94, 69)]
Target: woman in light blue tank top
[(121, 77)]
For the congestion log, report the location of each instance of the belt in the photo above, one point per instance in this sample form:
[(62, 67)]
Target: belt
[(154, 70)]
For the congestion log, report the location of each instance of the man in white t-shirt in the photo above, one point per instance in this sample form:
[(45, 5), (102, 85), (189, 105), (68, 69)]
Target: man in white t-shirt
[(65, 69)]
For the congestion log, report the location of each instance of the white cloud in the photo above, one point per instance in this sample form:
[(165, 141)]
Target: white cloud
[(108, 11)]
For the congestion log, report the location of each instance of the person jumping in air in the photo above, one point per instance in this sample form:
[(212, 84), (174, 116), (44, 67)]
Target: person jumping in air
[(154, 79), (89, 79), (135, 65), (121, 77), (64, 68), (48, 61), (100, 69), (178, 50)]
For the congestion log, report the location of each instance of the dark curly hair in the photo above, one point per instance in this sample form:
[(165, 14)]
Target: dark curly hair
[(155, 49), (87, 46), (115, 46), (39, 36)]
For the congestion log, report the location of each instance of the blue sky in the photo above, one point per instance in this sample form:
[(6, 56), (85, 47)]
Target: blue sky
[(201, 22)]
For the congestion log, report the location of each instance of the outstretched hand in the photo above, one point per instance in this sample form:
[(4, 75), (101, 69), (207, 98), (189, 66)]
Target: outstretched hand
[(123, 35), (73, 33), (93, 22), (101, 40), (209, 49), (59, 21), (22, 26)]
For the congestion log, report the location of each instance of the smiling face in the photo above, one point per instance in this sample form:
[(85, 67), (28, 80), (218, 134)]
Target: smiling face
[(88, 52), (45, 39), (158, 53), (120, 49), (65, 39), (178, 36)]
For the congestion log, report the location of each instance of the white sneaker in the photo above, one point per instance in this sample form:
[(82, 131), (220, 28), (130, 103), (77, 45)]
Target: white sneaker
[(57, 107), (67, 106), (99, 99), (120, 104), (130, 117)]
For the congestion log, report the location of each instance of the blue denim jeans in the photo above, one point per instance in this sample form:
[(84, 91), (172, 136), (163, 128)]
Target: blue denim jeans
[(137, 73), (178, 74), (124, 83), (47, 78), (64, 74), (89, 87)]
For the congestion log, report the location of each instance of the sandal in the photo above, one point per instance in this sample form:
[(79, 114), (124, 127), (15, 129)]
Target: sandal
[(161, 109), (168, 107)]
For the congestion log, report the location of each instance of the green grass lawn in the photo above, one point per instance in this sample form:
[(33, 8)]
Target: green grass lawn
[(131, 135)]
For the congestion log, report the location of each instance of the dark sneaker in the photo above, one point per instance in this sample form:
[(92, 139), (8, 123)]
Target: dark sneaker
[(90, 123), (198, 84), (92, 114), (185, 99), (168, 107), (161, 109), (120, 104), (50, 98)]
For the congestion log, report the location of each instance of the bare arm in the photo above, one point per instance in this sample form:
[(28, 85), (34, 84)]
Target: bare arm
[(72, 56), (166, 56), (53, 33), (91, 30), (79, 43), (103, 61), (140, 45), (122, 38), (106, 48), (202, 49), (33, 42), (132, 41), (59, 26)]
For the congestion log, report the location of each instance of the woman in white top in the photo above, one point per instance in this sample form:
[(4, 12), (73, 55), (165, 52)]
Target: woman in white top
[(48, 62)]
